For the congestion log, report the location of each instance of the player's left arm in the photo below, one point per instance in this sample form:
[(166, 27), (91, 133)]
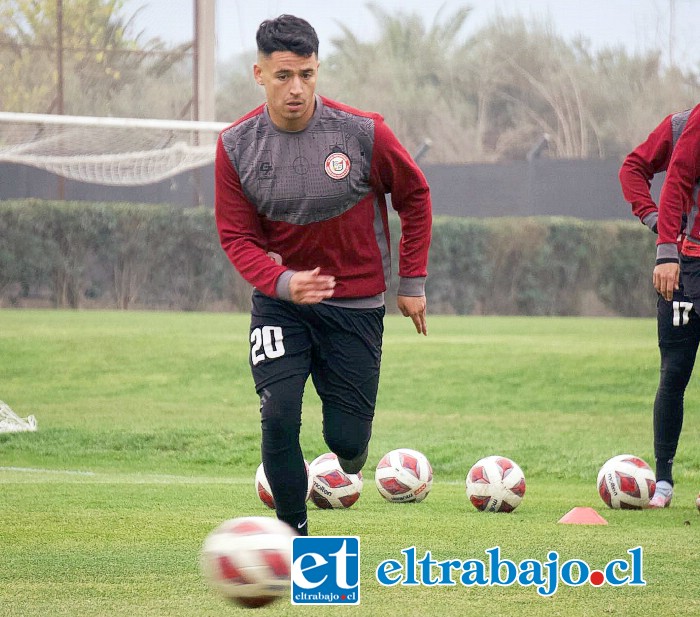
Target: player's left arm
[(415, 308), (397, 173)]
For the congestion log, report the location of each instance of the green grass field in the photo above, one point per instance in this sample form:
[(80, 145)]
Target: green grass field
[(149, 437)]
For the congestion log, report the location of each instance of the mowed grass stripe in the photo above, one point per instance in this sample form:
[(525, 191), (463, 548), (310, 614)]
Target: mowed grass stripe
[(33, 475), (161, 408)]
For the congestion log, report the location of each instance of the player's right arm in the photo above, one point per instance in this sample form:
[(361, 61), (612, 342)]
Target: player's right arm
[(676, 199), (640, 166), (240, 231), (245, 244)]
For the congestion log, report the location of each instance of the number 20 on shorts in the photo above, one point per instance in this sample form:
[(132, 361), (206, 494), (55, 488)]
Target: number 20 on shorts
[(266, 342)]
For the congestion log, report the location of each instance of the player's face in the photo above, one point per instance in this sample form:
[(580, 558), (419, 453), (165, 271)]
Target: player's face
[(290, 82)]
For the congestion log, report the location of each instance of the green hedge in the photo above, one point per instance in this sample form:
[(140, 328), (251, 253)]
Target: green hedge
[(118, 255), (541, 266)]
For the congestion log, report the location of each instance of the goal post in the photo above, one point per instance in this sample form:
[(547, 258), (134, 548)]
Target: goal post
[(105, 150)]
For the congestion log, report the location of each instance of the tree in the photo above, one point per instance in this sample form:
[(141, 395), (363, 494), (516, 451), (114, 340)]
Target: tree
[(526, 81), (630, 94), (491, 96), (238, 93), (406, 75), (102, 58)]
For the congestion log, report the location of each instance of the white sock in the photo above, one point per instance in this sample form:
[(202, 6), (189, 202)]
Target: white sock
[(663, 488)]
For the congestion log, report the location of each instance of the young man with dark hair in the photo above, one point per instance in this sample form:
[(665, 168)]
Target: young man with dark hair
[(301, 213), (678, 324)]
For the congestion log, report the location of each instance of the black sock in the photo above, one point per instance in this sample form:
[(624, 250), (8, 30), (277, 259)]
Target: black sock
[(298, 522), (664, 469), (348, 437), (356, 464)]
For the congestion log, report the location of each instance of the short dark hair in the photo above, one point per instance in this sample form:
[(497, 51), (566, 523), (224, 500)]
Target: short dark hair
[(287, 33)]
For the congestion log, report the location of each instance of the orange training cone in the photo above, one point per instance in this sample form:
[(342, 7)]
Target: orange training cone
[(583, 516)]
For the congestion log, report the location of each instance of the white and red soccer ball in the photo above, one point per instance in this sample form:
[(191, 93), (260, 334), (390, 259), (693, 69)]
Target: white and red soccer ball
[(248, 560), (262, 486), (495, 484), (404, 475), (331, 487), (626, 482)]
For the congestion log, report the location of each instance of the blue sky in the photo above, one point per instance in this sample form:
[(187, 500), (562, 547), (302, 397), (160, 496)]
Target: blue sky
[(637, 25)]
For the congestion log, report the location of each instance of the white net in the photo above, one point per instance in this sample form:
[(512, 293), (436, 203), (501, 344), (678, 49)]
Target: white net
[(10, 422), (108, 151)]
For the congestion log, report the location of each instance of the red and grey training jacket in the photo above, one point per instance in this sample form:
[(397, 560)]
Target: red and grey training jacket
[(316, 197), (644, 162), (679, 195)]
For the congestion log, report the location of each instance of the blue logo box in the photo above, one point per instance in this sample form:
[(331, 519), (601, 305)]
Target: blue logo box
[(326, 570)]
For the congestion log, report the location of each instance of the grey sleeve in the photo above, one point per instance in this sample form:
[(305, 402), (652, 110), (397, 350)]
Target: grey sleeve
[(413, 286), (650, 220), (667, 251), (282, 285)]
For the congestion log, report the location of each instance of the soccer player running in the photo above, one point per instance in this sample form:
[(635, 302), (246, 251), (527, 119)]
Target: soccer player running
[(301, 213), (678, 324)]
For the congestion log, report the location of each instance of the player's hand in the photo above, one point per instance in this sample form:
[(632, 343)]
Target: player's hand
[(665, 279), (310, 286), (414, 307)]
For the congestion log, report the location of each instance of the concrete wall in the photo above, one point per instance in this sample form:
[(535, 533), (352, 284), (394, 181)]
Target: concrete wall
[(586, 189)]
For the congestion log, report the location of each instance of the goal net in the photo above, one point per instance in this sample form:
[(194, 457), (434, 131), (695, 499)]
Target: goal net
[(10, 422), (108, 151)]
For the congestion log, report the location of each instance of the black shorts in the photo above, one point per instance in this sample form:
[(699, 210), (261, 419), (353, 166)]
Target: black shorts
[(677, 322), (341, 348), (690, 277)]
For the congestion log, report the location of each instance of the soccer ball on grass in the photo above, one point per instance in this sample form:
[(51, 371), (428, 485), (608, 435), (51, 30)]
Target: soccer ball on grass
[(404, 475), (248, 560), (626, 482), (331, 487), (495, 484)]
